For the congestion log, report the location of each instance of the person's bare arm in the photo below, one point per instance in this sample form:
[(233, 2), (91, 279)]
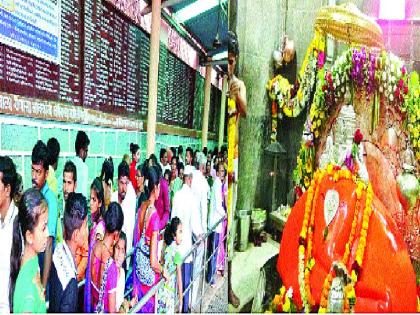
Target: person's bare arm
[(179, 282), (112, 302), (237, 91), (154, 263), (47, 261)]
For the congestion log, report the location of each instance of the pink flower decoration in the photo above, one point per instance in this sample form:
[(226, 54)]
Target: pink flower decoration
[(321, 59)]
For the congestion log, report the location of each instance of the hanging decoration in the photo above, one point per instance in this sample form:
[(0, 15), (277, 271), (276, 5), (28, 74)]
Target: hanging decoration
[(290, 100)]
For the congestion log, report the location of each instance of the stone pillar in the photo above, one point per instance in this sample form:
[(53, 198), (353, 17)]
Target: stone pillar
[(255, 69), (207, 89), (222, 112), (153, 76)]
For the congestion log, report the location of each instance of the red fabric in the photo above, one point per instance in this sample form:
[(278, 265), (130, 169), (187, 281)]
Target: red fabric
[(387, 282), (133, 174)]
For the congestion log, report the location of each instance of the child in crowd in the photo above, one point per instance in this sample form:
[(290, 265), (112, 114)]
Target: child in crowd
[(119, 256), (172, 263), (97, 231), (27, 294)]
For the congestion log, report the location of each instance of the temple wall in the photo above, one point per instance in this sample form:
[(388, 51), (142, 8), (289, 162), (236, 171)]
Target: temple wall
[(18, 136)]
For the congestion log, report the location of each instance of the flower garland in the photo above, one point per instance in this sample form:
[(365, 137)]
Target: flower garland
[(412, 109), (283, 302), (231, 134), (369, 74), (289, 99), (307, 261)]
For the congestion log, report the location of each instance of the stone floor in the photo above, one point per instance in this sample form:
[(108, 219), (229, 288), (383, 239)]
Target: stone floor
[(215, 298), (219, 300), (246, 269)]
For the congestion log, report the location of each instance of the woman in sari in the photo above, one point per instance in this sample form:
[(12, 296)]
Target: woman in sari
[(147, 268), (97, 232), (103, 269)]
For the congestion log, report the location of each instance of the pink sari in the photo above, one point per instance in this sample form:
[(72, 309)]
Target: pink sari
[(140, 288)]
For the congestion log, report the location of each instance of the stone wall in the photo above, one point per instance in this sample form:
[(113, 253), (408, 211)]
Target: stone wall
[(18, 136)]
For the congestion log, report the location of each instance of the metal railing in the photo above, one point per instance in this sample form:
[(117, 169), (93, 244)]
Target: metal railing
[(202, 272)]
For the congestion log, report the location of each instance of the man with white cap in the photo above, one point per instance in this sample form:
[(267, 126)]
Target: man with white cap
[(185, 207), (201, 190)]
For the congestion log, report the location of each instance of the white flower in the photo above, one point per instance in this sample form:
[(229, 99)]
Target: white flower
[(391, 97), (289, 293), (384, 76), (381, 89), (390, 88)]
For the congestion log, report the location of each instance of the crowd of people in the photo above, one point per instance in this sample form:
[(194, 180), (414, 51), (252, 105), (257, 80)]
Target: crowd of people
[(76, 246)]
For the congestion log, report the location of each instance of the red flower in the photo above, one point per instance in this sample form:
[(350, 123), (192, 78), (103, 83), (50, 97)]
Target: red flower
[(403, 70), (406, 89), (336, 167), (358, 136), (298, 191), (400, 83)]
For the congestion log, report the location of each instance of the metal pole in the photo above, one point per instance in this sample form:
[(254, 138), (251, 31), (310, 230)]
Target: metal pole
[(153, 76), (204, 274), (207, 89)]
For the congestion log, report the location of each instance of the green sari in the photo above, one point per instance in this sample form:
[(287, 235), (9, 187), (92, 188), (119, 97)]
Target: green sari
[(29, 294)]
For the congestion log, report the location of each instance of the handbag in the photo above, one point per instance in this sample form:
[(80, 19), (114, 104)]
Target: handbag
[(144, 271)]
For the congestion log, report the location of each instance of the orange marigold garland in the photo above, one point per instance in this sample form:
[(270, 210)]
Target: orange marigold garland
[(306, 261)]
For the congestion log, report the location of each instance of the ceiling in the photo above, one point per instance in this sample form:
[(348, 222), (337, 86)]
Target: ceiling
[(204, 26)]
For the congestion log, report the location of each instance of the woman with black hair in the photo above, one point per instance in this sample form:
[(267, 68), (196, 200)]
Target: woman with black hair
[(135, 157), (146, 266), (107, 178), (142, 193), (104, 271), (172, 262), (97, 231), (27, 294)]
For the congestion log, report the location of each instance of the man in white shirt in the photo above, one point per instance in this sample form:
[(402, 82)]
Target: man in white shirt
[(185, 208), (126, 197), (8, 213), (201, 191), (217, 212), (81, 146)]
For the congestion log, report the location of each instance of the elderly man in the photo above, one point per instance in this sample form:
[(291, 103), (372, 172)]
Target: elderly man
[(185, 207), (200, 188)]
